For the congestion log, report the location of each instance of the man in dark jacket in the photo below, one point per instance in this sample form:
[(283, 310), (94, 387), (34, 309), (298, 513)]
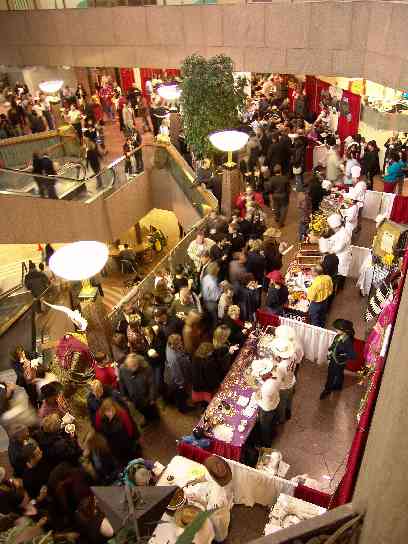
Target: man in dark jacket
[(35, 281), (48, 169), (280, 190), (136, 383)]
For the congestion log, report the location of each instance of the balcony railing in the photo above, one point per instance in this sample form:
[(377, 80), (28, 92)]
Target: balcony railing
[(25, 5)]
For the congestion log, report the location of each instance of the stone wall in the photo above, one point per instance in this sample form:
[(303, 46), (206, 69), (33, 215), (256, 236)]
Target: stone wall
[(356, 38)]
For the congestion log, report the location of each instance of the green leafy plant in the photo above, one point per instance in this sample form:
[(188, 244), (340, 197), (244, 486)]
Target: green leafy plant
[(211, 99), (187, 536)]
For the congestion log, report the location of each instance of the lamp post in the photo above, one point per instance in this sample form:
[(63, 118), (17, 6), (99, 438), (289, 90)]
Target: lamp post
[(80, 261), (171, 93), (51, 88), (229, 141)]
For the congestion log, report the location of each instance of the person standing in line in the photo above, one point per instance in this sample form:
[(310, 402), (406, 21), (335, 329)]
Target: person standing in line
[(318, 294), (73, 117), (340, 351), (93, 160), (49, 169), (280, 189), (371, 163), (37, 169)]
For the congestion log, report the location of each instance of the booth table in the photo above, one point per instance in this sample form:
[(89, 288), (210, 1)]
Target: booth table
[(234, 388), (288, 511), (377, 203), (182, 470), (250, 486)]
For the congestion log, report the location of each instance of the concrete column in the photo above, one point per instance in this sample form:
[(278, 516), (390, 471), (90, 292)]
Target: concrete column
[(231, 187), (138, 233), (382, 490), (175, 128)]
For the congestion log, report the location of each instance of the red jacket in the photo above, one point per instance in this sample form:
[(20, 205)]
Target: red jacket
[(124, 418), (106, 375)]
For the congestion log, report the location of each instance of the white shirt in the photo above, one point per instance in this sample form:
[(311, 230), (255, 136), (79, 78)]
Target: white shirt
[(340, 244), (195, 250), (289, 379), (351, 216), (212, 495), (74, 116), (358, 192)]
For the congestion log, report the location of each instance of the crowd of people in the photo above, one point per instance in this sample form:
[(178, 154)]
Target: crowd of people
[(177, 343)]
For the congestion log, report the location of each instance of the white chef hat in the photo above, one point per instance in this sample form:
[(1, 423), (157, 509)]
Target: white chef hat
[(355, 171), (334, 221)]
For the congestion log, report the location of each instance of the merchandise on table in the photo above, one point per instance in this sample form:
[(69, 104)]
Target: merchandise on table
[(289, 511), (271, 461)]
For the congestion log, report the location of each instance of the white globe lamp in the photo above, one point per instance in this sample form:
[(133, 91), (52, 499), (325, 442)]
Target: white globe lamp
[(229, 141), (80, 261)]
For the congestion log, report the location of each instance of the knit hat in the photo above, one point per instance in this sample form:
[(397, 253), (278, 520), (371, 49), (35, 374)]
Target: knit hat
[(334, 221), (282, 348), (276, 276), (269, 395)]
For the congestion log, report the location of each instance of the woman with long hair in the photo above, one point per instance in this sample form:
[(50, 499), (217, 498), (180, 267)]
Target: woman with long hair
[(206, 374), (99, 453), (115, 424)]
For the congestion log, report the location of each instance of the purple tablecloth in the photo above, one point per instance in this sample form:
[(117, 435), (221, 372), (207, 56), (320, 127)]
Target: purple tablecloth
[(234, 385)]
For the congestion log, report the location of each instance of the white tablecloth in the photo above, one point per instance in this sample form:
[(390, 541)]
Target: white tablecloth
[(252, 486), (358, 257), (376, 203), (168, 532), (315, 340)]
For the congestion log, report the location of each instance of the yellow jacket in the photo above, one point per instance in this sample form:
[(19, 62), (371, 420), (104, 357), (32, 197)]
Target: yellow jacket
[(321, 289)]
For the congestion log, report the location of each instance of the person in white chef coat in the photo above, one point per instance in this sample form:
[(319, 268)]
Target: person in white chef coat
[(357, 193), (350, 216), (339, 243), (216, 493)]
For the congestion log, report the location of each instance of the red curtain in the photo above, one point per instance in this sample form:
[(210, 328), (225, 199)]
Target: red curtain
[(345, 489), (314, 87), (312, 495), (348, 126), (128, 78), (358, 363), (399, 212), (156, 73), (344, 492)]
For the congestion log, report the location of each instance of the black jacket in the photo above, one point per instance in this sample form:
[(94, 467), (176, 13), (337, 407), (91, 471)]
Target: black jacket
[(36, 282), (206, 374)]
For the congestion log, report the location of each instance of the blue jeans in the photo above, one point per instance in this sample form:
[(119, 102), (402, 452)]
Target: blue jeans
[(318, 312)]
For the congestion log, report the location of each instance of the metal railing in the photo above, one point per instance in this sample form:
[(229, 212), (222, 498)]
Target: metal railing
[(177, 255), (26, 5)]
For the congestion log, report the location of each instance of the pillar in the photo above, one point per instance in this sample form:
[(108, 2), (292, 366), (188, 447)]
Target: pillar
[(231, 187), (175, 128), (138, 233), (381, 490)]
